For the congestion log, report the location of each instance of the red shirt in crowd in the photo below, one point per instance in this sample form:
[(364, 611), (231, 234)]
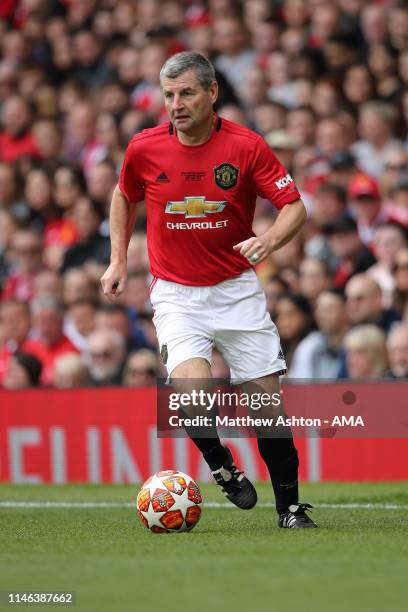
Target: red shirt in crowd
[(14, 147), (48, 355), (7, 7), (5, 353), (19, 286), (201, 199)]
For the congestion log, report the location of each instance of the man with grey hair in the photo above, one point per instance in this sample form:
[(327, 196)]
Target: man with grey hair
[(397, 347), (364, 303), (376, 125), (107, 350), (199, 176)]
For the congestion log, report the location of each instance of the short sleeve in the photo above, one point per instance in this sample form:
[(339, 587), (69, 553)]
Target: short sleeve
[(271, 179), (130, 182)]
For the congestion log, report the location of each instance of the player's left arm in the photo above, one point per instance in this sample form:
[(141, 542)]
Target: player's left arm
[(287, 224)]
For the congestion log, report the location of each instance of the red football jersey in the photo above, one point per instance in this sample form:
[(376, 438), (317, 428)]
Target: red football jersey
[(200, 200)]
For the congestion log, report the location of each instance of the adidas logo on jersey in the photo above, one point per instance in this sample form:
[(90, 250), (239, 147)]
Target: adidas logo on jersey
[(162, 178)]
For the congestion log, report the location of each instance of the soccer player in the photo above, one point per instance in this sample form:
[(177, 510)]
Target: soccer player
[(199, 176)]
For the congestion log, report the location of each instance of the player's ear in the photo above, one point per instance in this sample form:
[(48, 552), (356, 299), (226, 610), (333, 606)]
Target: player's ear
[(213, 91)]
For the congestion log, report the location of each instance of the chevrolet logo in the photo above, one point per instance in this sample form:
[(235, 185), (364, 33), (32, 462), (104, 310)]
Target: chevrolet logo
[(194, 207)]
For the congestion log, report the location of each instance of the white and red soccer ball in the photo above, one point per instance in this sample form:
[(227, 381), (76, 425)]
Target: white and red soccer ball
[(169, 501)]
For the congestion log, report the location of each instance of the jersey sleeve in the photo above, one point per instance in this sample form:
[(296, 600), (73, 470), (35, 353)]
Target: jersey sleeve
[(271, 179), (130, 182)]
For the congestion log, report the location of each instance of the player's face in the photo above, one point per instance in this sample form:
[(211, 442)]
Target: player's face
[(188, 105)]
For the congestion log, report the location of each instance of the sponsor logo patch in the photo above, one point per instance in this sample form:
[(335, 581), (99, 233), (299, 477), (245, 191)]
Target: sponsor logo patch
[(194, 207), (284, 182), (226, 175)]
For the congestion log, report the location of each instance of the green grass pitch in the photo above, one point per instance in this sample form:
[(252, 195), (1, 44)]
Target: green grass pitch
[(233, 560)]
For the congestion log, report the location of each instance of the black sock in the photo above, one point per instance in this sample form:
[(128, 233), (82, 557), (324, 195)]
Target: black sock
[(208, 442), (281, 458)]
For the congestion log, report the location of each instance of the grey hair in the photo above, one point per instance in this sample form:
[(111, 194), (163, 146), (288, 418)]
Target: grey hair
[(179, 63), (46, 302), (383, 109)]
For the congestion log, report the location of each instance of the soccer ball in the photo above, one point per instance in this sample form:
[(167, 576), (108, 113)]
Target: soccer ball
[(169, 501)]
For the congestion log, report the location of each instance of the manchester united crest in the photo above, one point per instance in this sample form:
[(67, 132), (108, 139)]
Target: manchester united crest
[(226, 175)]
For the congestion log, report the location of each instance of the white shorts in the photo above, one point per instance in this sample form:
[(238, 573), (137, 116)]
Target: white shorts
[(231, 316)]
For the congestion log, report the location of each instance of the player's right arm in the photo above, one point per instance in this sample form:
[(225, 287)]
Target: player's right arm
[(122, 220)]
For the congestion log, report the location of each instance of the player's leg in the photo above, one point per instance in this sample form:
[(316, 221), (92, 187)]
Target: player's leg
[(195, 375), (186, 341), (250, 344), (277, 449)]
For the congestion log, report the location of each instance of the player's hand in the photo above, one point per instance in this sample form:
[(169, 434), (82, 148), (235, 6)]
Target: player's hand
[(114, 280), (255, 249)]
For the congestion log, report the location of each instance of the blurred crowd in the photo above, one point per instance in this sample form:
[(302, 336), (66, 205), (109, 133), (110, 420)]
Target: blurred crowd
[(326, 84)]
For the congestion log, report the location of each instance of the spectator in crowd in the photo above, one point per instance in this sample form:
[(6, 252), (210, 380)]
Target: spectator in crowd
[(92, 247), (141, 369), (15, 323), (283, 146), (382, 61), (48, 341), (26, 262), (235, 55), (107, 352), (77, 285), (395, 162), (274, 288), (68, 185), (374, 23), (301, 125), (314, 278), (116, 317), (388, 240), (319, 355), (342, 167), (366, 353), (136, 295), (16, 139), (329, 204), (23, 371), (48, 139), (137, 253), (331, 137), (358, 84), (397, 346), (350, 254), (101, 181), (79, 322), (365, 204), (269, 116), (376, 124), (294, 320), (70, 371), (398, 25), (396, 208), (8, 185), (364, 303), (400, 270), (91, 69), (47, 283)]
